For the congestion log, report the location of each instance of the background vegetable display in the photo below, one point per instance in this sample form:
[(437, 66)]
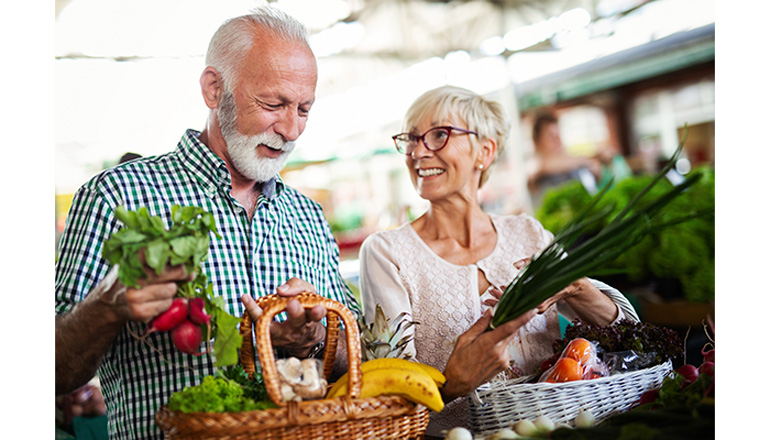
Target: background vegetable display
[(566, 259), (144, 242), (681, 256)]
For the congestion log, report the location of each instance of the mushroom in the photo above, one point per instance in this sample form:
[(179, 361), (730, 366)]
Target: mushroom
[(289, 370), (312, 385), (287, 393), (300, 380)]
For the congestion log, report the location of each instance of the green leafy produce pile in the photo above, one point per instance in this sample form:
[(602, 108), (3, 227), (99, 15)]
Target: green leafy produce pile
[(684, 252), (624, 335), (228, 391), (145, 242), (186, 242), (577, 251)]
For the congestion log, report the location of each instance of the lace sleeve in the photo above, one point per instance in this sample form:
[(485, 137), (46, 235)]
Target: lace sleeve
[(381, 284), (625, 309)]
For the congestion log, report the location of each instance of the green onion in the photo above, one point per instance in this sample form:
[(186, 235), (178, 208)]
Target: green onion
[(561, 262)]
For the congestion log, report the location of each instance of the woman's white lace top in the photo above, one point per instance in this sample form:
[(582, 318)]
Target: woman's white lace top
[(402, 273)]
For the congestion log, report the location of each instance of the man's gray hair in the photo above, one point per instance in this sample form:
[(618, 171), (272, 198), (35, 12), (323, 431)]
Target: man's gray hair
[(235, 36)]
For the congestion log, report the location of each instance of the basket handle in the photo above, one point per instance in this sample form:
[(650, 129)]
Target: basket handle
[(271, 305)]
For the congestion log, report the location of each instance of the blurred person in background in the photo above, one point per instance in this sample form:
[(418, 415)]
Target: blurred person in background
[(553, 165), (450, 264), (259, 85)]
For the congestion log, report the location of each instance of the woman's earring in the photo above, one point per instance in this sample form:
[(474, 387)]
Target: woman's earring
[(481, 166)]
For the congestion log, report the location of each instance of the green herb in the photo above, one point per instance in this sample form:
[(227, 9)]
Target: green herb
[(145, 242), (253, 387), (562, 261)]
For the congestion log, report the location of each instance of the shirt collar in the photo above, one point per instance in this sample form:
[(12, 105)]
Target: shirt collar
[(210, 170)]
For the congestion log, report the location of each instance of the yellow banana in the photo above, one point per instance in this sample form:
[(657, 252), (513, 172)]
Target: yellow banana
[(374, 364), (411, 384), (334, 390), (434, 373)]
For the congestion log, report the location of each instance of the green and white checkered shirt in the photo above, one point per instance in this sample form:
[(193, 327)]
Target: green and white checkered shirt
[(287, 237)]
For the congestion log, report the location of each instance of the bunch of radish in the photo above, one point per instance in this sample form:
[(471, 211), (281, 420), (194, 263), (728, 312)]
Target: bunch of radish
[(690, 373), (184, 319)]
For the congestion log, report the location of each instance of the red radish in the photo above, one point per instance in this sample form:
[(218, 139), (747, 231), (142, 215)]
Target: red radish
[(198, 313), (649, 396), (170, 319), (707, 368), (199, 316), (689, 372), (187, 337), (708, 356)]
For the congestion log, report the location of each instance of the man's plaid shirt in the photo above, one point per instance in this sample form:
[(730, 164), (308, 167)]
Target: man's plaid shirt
[(287, 237)]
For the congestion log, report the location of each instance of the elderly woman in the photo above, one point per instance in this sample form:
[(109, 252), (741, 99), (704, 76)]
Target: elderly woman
[(449, 264)]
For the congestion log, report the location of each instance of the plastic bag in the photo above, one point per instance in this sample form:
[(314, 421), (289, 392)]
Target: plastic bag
[(624, 361), (578, 361)]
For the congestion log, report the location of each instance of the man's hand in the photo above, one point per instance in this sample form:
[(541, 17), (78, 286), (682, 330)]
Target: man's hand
[(479, 355), (85, 334), (153, 297), (302, 328)]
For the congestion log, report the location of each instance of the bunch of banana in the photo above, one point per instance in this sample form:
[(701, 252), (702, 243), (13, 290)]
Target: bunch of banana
[(417, 382)]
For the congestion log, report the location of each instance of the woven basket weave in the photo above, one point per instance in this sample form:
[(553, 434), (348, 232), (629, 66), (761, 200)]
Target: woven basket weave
[(344, 417), (496, 405)]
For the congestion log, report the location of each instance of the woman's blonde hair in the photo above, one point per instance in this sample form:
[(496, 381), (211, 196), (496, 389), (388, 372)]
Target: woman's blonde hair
[(484, 116)]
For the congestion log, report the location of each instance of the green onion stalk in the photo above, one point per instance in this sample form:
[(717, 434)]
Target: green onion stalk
[(562, 262)]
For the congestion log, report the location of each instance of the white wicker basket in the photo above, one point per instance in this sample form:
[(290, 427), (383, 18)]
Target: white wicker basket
[(496, 405)]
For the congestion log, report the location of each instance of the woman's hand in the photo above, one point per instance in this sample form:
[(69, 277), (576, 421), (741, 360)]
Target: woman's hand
[(578, 287), (302, 328), (581, 289), (479, 355)]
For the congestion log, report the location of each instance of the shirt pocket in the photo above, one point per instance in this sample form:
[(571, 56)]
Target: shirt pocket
[(311, 273)]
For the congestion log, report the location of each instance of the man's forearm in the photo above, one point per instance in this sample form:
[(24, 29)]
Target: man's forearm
[(83, 336)]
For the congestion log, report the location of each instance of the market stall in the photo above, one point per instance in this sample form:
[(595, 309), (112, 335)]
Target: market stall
[(616, 75)]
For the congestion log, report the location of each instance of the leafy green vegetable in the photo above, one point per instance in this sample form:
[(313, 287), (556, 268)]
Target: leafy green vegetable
[(185, 242), (563, 261), (683, 253), (227, 342), (145, 242), (215, 394), (254, 387)]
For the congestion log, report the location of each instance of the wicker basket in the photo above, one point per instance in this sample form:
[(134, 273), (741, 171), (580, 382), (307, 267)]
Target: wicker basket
[(345, 417), (496, 405)]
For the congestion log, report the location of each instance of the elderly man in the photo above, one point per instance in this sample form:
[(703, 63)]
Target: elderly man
[(259, 85)]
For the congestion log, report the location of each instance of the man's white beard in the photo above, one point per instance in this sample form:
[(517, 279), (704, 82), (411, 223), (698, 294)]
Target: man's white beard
[(243, 149), (243, 153)]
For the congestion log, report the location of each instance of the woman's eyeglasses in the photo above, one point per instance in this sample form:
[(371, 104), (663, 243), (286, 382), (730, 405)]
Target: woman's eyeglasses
[(434, 139)]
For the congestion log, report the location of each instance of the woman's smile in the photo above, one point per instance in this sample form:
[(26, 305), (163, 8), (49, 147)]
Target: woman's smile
[(430, 172)]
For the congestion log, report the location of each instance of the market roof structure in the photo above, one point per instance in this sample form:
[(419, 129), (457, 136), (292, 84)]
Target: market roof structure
[(133, 66)]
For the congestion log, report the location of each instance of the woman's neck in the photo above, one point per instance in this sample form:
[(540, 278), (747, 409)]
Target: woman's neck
[(459, 224)]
